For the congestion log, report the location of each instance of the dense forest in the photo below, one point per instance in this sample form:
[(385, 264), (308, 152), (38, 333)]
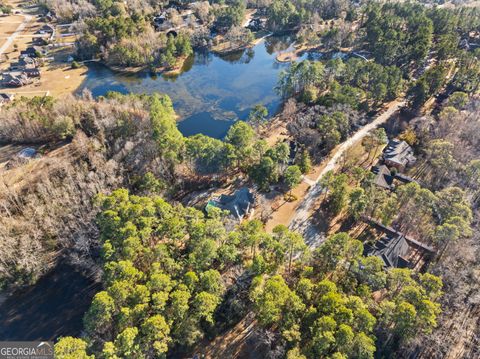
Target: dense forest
[(95, 146), (122, 193), (164, 287)]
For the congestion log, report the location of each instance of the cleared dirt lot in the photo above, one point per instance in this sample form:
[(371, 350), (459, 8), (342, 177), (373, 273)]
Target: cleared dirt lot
[(8, 24)]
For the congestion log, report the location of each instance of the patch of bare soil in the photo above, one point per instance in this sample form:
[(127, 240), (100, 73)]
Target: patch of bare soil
[(233, 343)]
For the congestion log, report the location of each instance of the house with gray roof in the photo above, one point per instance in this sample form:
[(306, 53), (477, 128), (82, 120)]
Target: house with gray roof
[(383, 177), (239, 204), (15, 79), (24, 63), (398, 154), (392, 250), (33, 51)]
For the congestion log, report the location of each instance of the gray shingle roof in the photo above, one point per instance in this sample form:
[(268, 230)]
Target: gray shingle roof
[(383, 177), (391, 250), (399, 152), (238, 204)]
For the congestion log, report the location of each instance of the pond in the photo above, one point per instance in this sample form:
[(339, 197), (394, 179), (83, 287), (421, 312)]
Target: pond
[(213, 91)]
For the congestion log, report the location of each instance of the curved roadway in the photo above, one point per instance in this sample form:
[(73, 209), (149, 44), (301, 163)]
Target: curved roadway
[(301, 220)]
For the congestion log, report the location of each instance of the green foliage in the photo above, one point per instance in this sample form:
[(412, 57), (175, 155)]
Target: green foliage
[(292, 176), (333, 129), (355, 82), (176, 46), (151, 284), (447, 46), (379, 83), (357, 202), (291, 242), (274, 301), (124, 39), (398, 33), (106, 29), (240, 135), (241, 138), (305, 162), (299, 76), (231, 15), (162, 273), (271, 164), (335, 324), (338, 319), (429, 84), (5, 9), (412, 308), (155, 333), (265, 173), (339, 193), (163, 284), (150, 184), (258, 114), (467, 78), (442, 217), (169, 140), (208, 155), (71, 348), (419, 94), (337, 250), (100, 315), (458, 100), (282, 14)]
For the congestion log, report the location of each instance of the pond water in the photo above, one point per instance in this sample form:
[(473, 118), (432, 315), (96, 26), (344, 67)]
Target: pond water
[(213, 91)]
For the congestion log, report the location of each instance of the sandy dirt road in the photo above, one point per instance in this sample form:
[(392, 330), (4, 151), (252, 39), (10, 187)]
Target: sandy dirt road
[(301, 220), (11, 38)]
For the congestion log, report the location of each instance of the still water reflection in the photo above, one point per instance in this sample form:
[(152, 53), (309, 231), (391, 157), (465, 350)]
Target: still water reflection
[(212, 92)]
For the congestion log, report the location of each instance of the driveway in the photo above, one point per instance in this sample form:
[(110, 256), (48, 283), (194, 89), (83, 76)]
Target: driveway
[(8, 42), (301, 220)]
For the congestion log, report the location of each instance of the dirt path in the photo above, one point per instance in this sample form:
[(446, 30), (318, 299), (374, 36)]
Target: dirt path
[(301, 218), (11, 38)]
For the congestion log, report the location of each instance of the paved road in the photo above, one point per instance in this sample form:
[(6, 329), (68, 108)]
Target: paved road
[(11, 38), (301, 220)]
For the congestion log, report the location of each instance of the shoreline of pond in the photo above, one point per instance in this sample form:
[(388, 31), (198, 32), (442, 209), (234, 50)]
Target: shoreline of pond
[(211, 91)]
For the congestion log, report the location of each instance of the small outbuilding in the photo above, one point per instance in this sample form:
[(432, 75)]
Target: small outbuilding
[(6, 98), (39, 41), (22, 157), (27, 153)]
